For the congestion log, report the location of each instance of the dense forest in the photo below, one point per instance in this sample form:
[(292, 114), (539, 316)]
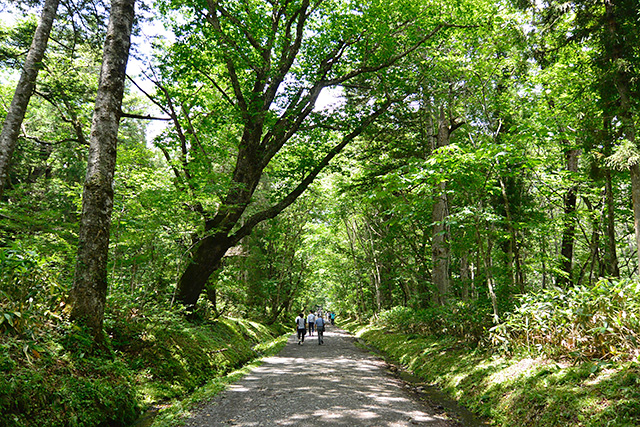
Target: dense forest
[(460, 168)]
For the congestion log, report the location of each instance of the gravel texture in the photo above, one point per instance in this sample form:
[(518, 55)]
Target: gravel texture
[(335, 384)]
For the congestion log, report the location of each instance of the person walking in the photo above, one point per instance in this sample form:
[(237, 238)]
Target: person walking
[(320, 329), (333, 318), (300, 325), (311, 320)]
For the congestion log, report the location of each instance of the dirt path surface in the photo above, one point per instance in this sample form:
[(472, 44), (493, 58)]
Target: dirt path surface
[(335, 384)]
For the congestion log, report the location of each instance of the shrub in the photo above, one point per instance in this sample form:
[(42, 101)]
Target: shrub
[(602, 321), (30, 295), (467, 320)]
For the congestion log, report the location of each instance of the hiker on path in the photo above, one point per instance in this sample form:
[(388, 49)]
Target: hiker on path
[(301, 323), (320, 328), (333, 318), (311, 320)]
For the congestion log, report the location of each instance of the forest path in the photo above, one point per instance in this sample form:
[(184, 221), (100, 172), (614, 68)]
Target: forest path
[(335, 384)]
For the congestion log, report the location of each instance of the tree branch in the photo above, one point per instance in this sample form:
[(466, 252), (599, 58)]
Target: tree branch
[(141, 117), (273, 211)]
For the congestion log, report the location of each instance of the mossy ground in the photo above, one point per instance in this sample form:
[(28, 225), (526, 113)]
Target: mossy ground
[(516, 391), (62, 382)]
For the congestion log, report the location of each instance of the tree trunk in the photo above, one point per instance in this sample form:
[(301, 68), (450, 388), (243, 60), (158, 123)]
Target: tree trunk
[(568, 234), (89, 292), (611, 256), (635, 193), (514, 247), (465, 275), (26, 85), (485, 257), (205, 259), (352, 237), (617, 48), (439, 244)]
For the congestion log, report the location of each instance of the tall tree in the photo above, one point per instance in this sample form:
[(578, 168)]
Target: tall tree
[(24, 90), (272, 60), (621, 46), (88, 295), (440, 249)]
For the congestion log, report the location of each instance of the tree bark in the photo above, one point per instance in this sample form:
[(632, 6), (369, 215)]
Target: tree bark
[(485, 258), (617, 48), (439, 245), (568, 234), (89, 292), (208, 253), (26, 85), (465, 275), (611, 256), (514, 247), (635, 193)]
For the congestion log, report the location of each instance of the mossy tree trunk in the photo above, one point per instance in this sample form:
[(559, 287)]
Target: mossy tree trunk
[(26, 85), (89, 292)]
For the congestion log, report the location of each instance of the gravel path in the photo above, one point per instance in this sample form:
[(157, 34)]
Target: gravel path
[(336, 384)]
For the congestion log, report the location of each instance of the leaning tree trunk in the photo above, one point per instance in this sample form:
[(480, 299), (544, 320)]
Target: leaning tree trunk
[(89, 292), (22, 95)]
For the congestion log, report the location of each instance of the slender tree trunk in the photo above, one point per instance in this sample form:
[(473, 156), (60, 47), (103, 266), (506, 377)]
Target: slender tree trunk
[(89, 292), (26, 85), (543, 256), (485, 257), (635, 193), (611, 256), (514, 247), (616, 47), (352, 236), (568, 234), (594, 262), (465, 275), (439, 244), (375, 272)]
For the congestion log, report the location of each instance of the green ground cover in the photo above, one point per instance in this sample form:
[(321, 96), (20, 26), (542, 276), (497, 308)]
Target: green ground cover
[(516, 390), (61, 381)]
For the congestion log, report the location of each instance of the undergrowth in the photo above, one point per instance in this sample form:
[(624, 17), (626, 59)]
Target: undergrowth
[(561, 358), (63, 381), (600, 322)]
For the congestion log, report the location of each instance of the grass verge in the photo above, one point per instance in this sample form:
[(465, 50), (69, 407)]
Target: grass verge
[(62, 381), (175, 414), (516, 391)]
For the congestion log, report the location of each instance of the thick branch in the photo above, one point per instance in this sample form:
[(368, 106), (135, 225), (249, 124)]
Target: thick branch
[(273, 211), (141, 117)]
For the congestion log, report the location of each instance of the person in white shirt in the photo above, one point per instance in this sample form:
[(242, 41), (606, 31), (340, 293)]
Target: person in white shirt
[(301, 323), (311, 320)]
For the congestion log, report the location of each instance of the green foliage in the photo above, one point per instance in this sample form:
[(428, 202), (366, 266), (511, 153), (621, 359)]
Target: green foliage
[(601, 322), (62, 380), (467, 320), (59, 380), (30, 294), (514, 391)]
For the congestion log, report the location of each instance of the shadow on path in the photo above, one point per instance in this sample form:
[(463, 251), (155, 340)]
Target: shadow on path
[(335, 384)]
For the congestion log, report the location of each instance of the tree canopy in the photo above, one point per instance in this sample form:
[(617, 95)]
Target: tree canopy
[(466, 156)]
